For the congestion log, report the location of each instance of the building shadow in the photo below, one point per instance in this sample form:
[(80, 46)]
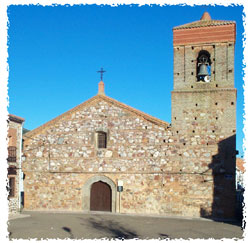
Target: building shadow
[(112, 229), (223, 166)]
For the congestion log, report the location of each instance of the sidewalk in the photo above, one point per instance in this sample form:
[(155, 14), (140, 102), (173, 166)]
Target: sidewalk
[(17, 216)]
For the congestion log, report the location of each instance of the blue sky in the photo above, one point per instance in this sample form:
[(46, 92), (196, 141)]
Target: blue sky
[(54, 53)]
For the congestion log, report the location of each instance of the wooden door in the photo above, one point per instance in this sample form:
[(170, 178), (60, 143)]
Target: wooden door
[(100, 197)]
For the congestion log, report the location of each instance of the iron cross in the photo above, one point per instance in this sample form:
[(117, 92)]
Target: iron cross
[(101, 71)]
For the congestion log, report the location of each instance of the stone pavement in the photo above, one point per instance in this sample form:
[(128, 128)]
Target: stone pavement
[(41, 225)]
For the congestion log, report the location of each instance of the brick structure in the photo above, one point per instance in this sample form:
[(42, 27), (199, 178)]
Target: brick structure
[(14, 162), (187, 168)]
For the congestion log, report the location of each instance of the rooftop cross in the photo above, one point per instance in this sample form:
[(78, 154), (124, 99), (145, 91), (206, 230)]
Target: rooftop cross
[(101, 71)]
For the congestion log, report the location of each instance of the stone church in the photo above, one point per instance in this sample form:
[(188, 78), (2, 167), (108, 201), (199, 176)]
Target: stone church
[(106, 156)]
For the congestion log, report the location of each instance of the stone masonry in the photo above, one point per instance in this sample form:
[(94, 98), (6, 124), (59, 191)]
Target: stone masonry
[(185, 168), (14, 160)]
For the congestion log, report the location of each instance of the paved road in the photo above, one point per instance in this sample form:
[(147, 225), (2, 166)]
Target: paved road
[(107, 225)]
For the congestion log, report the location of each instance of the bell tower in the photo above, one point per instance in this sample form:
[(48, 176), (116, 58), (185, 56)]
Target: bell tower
[(204, 106)]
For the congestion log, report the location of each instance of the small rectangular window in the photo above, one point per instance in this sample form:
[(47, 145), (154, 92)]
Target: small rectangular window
[(102, 140)]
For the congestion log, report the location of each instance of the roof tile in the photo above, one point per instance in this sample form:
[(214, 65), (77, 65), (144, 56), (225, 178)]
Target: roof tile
[(205, 21)]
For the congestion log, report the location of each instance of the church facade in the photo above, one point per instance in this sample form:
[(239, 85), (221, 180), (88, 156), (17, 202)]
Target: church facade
[(106, 156)]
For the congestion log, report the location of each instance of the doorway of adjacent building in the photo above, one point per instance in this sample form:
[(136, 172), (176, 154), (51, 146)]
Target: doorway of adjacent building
[(100, 197)]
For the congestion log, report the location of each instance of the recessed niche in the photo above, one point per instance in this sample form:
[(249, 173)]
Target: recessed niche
[(193, 131), (232, 103), (195, 118), (213, 59), (196, 104), (230, 70), (213, 46), (234, 130), (192, 86), (164, 140), (175, 118), (184, 144), (216, 103), (216, 117), (213, 131), (216, 85), (192, 47), (177, 131), (213, 72), (192, 73)]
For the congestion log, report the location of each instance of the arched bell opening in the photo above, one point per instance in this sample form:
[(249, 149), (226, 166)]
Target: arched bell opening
[(203, 67)]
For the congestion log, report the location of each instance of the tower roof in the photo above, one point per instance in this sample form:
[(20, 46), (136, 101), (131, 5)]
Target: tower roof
[(204, 31), (206, 16), (205, 21)]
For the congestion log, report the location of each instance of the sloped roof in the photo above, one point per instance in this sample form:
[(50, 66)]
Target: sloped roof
[(205, 21), (91, 101), (15, 118)]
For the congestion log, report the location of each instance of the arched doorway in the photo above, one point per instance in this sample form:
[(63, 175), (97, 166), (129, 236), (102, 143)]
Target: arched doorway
[(100, 197), (87, 188)]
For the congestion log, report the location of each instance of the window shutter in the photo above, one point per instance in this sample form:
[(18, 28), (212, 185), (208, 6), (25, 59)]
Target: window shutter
[(11, 186)]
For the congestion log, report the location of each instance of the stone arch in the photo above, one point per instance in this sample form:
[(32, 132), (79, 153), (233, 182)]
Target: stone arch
[(87, 187)]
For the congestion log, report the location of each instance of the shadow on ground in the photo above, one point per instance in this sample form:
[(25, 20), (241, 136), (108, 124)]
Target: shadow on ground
[(68, 230), (164, 236), (111, 229), (236, 222)]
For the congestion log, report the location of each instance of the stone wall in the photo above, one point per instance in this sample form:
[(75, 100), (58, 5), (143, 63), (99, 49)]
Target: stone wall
[(204, 122), (154, 193), (147, 157), (15, 139)]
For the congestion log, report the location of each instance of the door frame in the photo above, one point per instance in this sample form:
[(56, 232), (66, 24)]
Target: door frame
[(87, 189)]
